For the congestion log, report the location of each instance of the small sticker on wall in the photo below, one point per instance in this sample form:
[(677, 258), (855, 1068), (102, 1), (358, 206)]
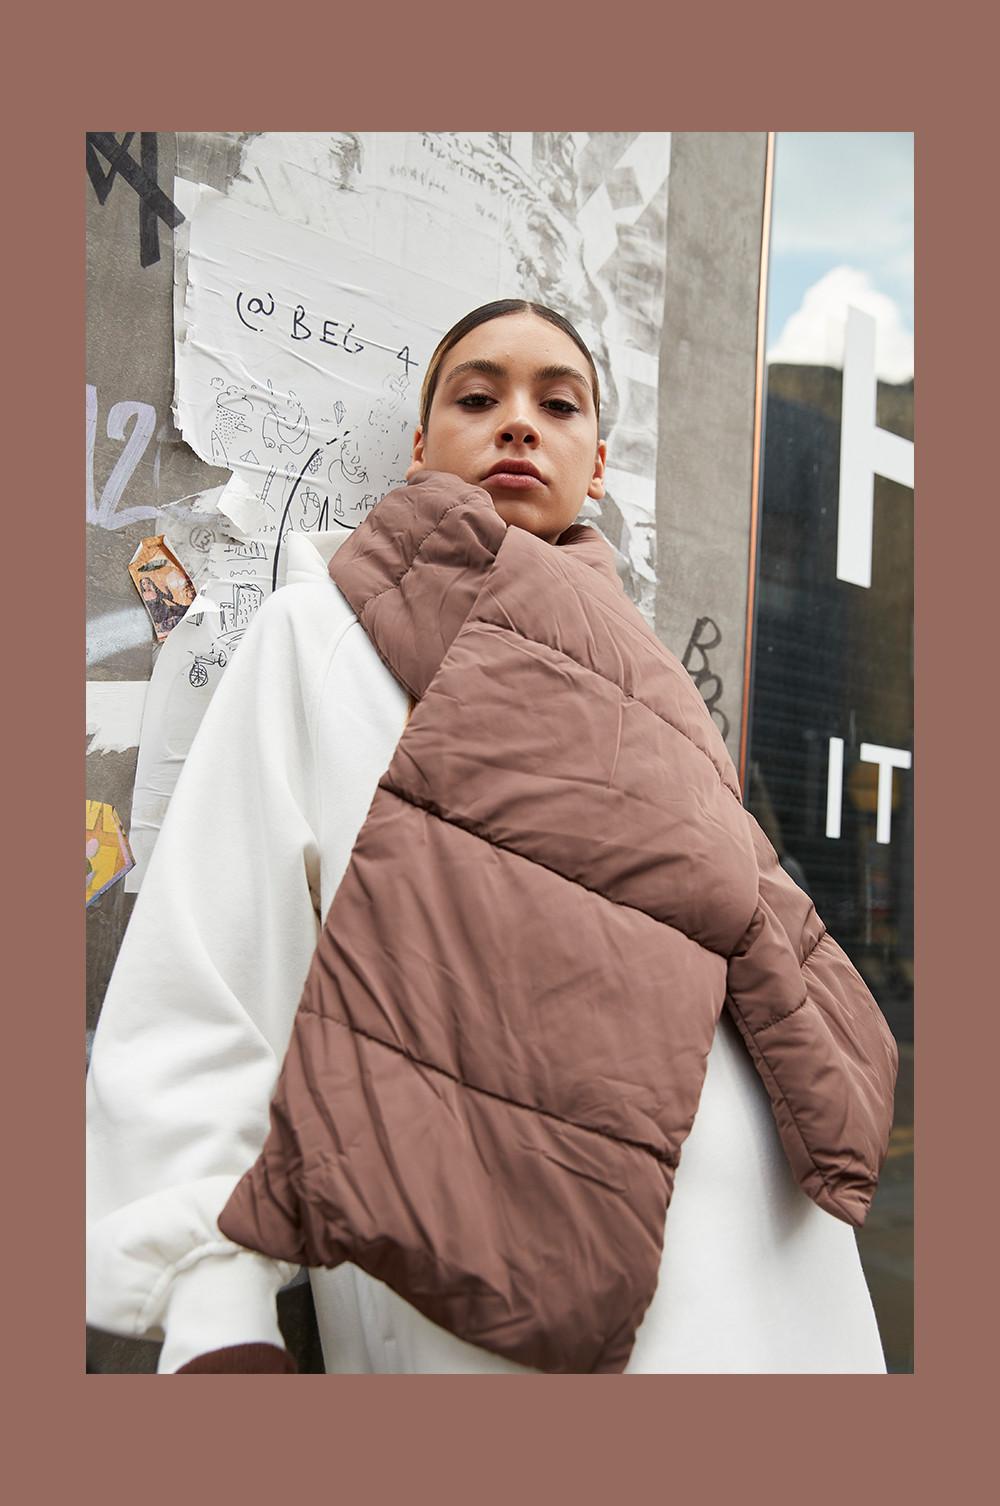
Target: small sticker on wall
[(162, 582), (109, 856)]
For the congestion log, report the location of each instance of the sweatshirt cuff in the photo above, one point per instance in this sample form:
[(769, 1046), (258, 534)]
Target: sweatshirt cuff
[(243, 1359), (221, 1301)]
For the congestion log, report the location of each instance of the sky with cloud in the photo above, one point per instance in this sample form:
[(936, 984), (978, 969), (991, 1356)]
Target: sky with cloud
[(842, 232)]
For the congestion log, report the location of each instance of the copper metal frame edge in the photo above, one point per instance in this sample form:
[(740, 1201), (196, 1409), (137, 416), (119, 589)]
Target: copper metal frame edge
[(758, 411)]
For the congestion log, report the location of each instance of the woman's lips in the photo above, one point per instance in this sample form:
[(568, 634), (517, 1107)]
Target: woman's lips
[(516, 479)]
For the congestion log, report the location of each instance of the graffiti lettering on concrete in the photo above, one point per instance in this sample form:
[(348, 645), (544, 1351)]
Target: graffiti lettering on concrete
[(709, 683), (106, 513), (154, 204)]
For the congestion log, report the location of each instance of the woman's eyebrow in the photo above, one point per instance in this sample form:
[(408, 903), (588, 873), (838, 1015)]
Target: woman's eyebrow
[(543, 374), (557, 373), (488, 368)]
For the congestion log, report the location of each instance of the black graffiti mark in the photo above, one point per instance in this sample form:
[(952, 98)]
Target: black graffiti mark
[(154, 204), (102, 181), (706, 681)]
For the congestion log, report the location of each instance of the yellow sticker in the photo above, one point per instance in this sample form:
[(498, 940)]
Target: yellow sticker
[(108, 853)]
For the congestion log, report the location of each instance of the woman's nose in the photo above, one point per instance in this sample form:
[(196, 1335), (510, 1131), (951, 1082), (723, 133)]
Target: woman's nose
[(517, 431)]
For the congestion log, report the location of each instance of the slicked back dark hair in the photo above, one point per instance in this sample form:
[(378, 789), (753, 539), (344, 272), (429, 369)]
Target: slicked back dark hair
[(483, 315)]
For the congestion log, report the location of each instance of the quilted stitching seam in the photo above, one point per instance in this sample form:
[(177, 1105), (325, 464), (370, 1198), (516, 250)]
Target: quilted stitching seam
[(432, 810), (664, 1157), (499, 627), (778, 1018)]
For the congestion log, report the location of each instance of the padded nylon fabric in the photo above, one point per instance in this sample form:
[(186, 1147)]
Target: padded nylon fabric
[(504, 1031)]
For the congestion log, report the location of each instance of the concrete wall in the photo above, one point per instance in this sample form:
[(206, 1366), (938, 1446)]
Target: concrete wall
[(707, 375), (129, 361)]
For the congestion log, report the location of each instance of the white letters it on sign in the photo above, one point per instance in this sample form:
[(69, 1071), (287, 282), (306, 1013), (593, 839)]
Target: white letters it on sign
[(834, 786), (887, 760)]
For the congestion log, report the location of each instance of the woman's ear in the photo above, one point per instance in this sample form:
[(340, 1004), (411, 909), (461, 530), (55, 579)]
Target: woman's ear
[(596, 487), (418, 453)]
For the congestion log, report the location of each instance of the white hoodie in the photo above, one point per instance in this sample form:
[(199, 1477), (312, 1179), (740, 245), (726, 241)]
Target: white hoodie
[(754, 1277)]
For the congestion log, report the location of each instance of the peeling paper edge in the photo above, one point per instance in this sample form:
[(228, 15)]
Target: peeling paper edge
[(243, 510), (186, 197), (114, 714)]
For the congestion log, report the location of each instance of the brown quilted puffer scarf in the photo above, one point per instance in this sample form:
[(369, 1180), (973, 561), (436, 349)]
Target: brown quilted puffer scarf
[(503, 1034)]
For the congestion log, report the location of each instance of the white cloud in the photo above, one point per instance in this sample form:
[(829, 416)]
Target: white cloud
[(814, 334)]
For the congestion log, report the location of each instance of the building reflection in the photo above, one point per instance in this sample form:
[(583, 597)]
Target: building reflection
[(835, 660)]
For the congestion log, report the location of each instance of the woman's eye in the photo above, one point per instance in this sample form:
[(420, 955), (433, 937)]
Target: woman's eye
[(558, 405)]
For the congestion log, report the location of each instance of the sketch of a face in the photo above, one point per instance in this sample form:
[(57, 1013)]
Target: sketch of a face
[(502, 407)]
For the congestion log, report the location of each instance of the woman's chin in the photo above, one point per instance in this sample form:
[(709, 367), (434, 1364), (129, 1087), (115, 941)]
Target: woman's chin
[(522, 515)]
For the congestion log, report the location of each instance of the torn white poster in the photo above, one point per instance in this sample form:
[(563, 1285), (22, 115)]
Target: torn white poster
[(348, 223), (574, 219), (114, 714), (298, 366)]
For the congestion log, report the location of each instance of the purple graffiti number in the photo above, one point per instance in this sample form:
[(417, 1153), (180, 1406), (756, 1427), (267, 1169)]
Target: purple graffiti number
[(106, 513), (91, 445)]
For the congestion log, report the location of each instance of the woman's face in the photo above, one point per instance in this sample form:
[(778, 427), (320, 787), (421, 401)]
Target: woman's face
[(516, 393)]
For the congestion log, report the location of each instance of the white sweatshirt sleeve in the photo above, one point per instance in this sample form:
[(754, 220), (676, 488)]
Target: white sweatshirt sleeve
[(200, 1007)]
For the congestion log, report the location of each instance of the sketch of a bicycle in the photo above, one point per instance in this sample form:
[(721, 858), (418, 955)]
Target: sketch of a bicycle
[(223, 648), (198, 673)]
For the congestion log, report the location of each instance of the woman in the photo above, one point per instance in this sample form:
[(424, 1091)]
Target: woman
[(541, 1249)]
